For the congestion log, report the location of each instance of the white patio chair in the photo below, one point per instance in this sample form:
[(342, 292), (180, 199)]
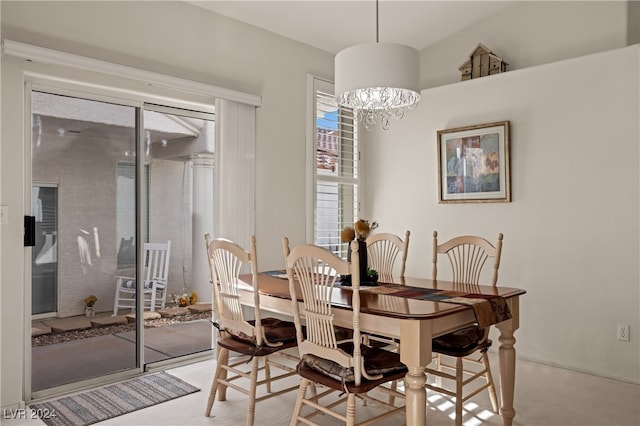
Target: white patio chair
[(156, 273)]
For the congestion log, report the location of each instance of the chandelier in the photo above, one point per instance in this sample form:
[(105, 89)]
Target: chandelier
[(379, 81)]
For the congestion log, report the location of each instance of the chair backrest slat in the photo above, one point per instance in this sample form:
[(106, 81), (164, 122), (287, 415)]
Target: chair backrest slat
[(156, 261), (382, 252), (467, 255)]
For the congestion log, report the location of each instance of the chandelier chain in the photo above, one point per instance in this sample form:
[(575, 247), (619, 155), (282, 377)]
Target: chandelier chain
[(377, 24)]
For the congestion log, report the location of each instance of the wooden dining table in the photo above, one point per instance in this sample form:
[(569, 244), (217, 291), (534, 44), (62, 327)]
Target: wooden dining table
[(415, 322)]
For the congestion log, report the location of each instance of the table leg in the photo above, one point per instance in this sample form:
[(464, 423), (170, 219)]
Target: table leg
[(416, 396), (507, 361), (415, 353)]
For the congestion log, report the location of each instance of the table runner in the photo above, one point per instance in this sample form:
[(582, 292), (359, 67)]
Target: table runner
[(488, 309)]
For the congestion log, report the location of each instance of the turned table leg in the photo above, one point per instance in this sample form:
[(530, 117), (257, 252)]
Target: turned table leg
[(507, 361), (415, 353), (416, 396)]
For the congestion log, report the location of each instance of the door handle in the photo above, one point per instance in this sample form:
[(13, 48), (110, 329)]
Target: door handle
[(29, 231)]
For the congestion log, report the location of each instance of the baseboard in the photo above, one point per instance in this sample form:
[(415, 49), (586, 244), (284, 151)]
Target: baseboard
[(494, 351)]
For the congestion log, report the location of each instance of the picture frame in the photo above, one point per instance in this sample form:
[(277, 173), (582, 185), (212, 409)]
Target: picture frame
[(473, 164)]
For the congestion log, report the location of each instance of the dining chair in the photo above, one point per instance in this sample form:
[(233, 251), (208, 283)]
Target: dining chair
[(383, 250), (154, 288), (346, 367), (259, 339), (468, 346)]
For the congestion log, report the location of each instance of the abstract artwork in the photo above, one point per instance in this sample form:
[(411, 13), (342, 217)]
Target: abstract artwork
[(473, 164)]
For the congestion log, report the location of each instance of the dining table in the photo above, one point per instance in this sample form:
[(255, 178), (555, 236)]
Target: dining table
[(415, 321)]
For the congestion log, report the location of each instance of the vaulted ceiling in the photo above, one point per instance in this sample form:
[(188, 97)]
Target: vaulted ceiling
[(335, 25)]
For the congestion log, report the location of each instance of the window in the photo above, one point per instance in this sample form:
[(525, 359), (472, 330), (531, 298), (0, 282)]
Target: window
[(335, 168)]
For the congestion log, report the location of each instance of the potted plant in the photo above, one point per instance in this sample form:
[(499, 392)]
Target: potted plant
[(89, 301), (372, 276), (185, 299)]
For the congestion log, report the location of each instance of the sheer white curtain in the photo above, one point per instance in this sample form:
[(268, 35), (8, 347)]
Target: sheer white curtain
[(234, 195)]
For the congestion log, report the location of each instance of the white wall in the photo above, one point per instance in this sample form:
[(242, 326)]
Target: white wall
[(571, 233), (530, 33), (177, 39)]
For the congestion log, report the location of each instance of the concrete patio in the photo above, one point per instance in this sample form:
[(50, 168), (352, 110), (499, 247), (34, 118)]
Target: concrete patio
[(79, 359)]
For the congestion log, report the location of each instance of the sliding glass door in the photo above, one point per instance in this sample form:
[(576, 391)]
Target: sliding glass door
[(108, 179), (77, 146)]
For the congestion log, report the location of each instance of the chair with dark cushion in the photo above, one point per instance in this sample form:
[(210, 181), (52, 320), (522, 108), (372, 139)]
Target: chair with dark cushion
[(467, 256), (345, 367), (258, 339)]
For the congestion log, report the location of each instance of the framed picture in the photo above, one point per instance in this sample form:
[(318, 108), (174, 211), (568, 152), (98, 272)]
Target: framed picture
[(473, 164)]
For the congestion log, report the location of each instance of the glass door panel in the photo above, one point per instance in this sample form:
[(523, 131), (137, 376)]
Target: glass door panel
[(178, 147), (86, 211)]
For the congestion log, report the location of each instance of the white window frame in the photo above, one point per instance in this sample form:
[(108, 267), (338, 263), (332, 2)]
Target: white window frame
[(315, 85)]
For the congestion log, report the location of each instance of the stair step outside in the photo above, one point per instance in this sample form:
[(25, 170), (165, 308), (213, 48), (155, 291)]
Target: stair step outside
[(175, 311), (61, 325), (38, 328), (109, 320), (199, 308), (146, 315)]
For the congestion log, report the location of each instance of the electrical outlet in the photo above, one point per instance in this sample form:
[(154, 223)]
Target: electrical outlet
[(623, 332)]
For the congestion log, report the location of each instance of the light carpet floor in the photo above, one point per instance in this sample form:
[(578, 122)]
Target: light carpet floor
[(544, 396)]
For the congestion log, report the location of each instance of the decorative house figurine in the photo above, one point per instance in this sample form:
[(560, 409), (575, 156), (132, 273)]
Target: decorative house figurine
[(482, 62)]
